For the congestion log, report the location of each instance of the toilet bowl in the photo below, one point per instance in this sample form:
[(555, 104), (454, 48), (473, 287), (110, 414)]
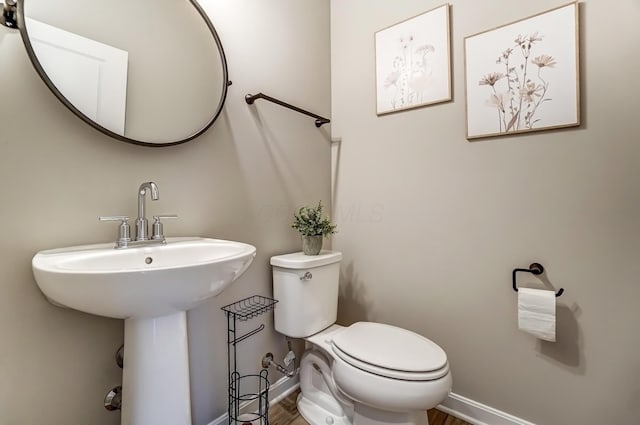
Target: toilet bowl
[(364, 374)]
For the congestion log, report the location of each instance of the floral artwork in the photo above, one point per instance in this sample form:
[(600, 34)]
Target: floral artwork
[(524, 76), (413, 62)]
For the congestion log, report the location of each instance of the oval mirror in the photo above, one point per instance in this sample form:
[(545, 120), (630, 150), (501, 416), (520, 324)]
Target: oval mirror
[(149, 72)]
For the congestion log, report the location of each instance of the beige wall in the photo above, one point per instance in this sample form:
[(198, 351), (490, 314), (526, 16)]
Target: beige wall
[(241, 180), (431, 225)]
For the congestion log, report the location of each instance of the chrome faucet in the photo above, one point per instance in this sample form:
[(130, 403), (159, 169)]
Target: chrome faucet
[(142, 225)]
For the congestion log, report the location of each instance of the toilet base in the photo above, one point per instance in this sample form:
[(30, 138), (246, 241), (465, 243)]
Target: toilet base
[(367, 415), (319, 401), (363, 415), (316, 415), (322, 403)]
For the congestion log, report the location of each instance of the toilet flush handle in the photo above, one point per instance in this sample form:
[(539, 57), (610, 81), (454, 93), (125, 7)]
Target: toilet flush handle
[(306, 276)]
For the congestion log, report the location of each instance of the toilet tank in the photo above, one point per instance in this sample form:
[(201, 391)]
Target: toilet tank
[(306, 287)]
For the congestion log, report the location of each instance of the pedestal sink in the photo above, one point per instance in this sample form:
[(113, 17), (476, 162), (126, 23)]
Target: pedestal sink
[(151, 288)]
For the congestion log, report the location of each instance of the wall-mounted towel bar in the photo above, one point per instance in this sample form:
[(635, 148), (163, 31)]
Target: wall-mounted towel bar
[(534, 268), (250, 98)]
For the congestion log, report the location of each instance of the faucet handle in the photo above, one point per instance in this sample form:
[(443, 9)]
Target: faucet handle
[(162, 217), (158, 232), (113, 218), (124, 230)]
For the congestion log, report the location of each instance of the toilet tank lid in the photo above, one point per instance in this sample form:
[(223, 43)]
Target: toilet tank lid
[(299, 260)]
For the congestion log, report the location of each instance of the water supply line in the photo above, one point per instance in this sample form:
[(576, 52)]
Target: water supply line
[(267, 361)]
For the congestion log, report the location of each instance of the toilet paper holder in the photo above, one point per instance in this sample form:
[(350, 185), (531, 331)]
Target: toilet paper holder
[(534, 268)]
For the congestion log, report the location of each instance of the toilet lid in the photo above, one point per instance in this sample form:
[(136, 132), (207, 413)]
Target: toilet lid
[(390, 351)]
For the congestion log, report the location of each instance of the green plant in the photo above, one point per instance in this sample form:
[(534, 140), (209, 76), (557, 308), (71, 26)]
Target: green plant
[(309, 221)]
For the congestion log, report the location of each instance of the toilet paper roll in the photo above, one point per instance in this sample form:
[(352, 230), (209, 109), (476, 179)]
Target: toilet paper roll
[(537, 312)]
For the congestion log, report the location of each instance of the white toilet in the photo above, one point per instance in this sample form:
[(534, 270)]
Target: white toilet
[(364, 374)]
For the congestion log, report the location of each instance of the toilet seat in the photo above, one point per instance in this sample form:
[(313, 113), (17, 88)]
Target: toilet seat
[(391, 373), (390, 352)]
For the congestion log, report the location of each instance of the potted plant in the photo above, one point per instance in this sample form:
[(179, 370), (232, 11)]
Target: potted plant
[(313, 226)]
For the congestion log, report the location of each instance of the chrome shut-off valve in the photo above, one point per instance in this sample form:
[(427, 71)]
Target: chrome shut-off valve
[(9, 17), (113, 399)]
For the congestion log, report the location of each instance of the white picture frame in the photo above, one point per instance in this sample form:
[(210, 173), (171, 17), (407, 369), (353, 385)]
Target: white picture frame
[(413, 62), (524, 76)]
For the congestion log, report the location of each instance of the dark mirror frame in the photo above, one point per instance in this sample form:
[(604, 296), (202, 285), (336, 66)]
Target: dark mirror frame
[(36, 64)]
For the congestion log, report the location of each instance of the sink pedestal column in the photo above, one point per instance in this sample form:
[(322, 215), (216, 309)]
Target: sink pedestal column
[(155, 382)]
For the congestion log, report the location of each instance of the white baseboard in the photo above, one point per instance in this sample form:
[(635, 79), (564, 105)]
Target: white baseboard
[(477, 413), (277, 391), (455, 405)]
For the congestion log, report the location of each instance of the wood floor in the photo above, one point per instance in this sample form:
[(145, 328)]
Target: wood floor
[(286, 413)]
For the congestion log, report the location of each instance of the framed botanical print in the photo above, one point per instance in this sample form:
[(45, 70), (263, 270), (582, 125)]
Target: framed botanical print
[(413, 64), (524, 76)]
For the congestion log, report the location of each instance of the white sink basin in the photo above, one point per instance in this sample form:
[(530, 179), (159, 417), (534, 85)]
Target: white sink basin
[(140, 282), (151, 288)]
